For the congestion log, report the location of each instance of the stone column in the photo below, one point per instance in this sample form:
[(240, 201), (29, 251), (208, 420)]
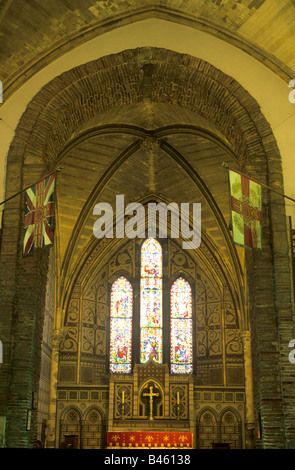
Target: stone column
[(82, 433), (250, 412), (111, 403), (51, 422)]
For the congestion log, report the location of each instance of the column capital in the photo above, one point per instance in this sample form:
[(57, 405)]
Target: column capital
[(57, 336), (245, 336)]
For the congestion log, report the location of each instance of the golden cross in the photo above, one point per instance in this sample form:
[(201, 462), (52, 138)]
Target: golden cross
[(151, 395)]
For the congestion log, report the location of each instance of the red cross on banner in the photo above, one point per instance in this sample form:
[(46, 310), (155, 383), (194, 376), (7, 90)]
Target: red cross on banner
[(246, 209), (39, 214)]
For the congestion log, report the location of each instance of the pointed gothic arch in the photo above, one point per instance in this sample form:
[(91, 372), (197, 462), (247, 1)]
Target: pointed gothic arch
[(252, 137)]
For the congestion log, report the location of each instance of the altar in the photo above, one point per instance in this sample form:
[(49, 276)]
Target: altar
[(150, 409)]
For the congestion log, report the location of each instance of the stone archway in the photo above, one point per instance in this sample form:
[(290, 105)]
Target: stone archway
[(60, 110)]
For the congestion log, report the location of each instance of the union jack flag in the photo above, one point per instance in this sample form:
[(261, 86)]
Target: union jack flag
[(39, 214)]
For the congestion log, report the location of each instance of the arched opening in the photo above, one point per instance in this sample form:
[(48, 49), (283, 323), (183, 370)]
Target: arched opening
[(176, 132)]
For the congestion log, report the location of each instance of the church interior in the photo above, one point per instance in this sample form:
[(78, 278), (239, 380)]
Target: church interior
[(135, 342)]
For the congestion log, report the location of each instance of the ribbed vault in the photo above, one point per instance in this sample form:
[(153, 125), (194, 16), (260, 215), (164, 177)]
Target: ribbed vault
[(98, 121)]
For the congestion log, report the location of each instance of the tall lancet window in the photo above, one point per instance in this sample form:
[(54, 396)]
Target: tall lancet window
[(121, 326), (181, 355), (151, 301)]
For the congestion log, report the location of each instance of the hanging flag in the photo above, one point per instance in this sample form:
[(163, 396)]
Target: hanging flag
[(39, 214), (246, 209)]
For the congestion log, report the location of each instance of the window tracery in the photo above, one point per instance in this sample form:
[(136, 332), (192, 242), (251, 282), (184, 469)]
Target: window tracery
[(151, 317)]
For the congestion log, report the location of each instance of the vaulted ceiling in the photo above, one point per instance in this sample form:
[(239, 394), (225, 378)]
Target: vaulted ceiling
[(33, 33), (145, 170)]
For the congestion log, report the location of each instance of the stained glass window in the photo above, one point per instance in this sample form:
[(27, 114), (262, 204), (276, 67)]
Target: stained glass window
[(121, 326), (181, 327), (151, 301), (151, 317)]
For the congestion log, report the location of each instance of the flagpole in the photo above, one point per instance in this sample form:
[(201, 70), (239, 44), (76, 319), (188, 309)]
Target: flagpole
[(23, 190), (226, 166)]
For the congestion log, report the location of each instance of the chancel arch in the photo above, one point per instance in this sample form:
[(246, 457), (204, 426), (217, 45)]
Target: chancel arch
[(131, 149)]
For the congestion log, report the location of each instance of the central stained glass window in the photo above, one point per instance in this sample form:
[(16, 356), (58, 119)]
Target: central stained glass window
[(151, 301)]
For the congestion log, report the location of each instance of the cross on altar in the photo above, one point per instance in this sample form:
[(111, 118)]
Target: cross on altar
[(151, 395)]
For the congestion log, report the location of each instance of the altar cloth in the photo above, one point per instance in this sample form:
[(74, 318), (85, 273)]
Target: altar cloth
[(149, 439)]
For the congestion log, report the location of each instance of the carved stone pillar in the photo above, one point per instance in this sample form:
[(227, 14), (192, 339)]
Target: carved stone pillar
[(51, 422), (250, 412)]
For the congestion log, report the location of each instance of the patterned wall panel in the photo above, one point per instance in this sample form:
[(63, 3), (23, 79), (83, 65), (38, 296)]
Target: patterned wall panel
[(208, 318), (179, 260), (85, 341), (123, 401), (94, 312), (124, 259), (232, 338), (93, 361), (218, 343), (234, 356), (69, 343), (179, 401)]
